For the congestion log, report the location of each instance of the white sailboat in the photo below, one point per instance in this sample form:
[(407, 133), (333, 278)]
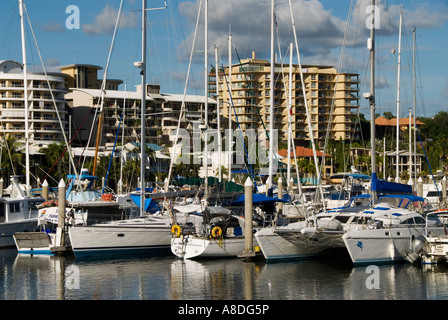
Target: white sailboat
[(148, 233), (220, 234)]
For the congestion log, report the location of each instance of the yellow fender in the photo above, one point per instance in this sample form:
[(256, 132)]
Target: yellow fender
[(175, 229), (216, 232)]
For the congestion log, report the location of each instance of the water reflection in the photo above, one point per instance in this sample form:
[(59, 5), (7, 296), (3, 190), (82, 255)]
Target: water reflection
[(168, 278)]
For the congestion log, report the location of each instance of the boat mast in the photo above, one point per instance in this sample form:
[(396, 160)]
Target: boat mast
[(398, 101), (288, 176), (217, 113), (25, 89), (414, 104), (206, 100), (229, 165), (270, 181), (371, 97), (143, 113), (307, 110)]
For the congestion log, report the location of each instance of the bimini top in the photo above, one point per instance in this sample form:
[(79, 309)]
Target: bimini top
[(406, 196)]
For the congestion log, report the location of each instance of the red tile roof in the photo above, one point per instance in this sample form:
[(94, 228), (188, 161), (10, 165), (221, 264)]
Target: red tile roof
[(381, 121), (302, 152)]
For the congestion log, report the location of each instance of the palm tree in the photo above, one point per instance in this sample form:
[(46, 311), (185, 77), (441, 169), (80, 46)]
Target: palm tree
[(56, 157), (11, 156)]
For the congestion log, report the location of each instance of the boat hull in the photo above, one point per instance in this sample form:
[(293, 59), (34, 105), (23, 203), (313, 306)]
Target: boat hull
[(191, 247), (97, 240), (8, 229), (386, 245), (287, 244)]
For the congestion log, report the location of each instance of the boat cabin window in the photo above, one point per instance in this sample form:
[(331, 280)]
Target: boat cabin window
[(14, 207), (415, 220), (419, 220), (362, 220), (342, 219)]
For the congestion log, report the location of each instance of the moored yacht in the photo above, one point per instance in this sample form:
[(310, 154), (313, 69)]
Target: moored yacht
[(318, 235), (394, 223), (219, 235)]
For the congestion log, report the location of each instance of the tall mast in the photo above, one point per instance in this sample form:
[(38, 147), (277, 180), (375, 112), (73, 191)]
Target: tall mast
[(398, 101), (143, 113), (371, 98), (288, 177), (25, 89), (271, 107), (414, 104), (217, 113), (229, 168), (206, 99)]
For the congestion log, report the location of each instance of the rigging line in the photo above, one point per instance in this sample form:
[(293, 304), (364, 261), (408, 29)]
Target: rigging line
[(182, 108), (253, 105), (310, 128), (327, 136), (285, 87), (427, 161), (238, 124), (62, 154), (103, 86), (112, 154), (51, 93), (10, 157)]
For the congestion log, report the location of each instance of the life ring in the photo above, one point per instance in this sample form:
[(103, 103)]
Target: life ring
[(107, 197), (176, 230), (216, 232)]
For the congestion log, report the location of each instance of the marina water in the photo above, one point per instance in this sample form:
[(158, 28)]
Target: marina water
[(42, 277)]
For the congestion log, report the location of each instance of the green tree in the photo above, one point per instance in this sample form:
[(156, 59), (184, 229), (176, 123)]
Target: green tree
[(11, 157), (56, 161)]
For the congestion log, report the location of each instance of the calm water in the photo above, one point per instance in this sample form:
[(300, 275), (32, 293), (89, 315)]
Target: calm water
[(168, 278)]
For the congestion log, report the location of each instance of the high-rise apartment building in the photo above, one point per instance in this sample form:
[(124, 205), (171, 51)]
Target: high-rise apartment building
[(43, 120), (250, 99)]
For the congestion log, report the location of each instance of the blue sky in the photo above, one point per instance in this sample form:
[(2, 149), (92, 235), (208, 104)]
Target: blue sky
[(320, 26)]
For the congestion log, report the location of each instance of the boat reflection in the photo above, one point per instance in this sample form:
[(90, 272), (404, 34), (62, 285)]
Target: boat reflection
[(38, 277)]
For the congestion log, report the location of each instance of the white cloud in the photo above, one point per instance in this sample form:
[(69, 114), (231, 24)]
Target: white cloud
[(425, 15), (104, 22), (318, 31), (53, 27)]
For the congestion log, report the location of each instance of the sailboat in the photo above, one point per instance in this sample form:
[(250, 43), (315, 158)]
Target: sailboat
[(147, 233), (397, 224)]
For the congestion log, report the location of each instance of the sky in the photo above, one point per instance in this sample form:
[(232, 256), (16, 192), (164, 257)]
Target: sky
[(325, 29)]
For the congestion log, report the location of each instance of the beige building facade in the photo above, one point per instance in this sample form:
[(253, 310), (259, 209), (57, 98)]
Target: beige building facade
[(250, 99), (43, 113)]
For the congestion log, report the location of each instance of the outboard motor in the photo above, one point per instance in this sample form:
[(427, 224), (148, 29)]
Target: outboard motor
[(417, 249)]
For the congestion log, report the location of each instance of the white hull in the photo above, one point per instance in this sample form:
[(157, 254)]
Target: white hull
[(284, 244), (8, 229), (190, 247), (381, 245), (126, 236)]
